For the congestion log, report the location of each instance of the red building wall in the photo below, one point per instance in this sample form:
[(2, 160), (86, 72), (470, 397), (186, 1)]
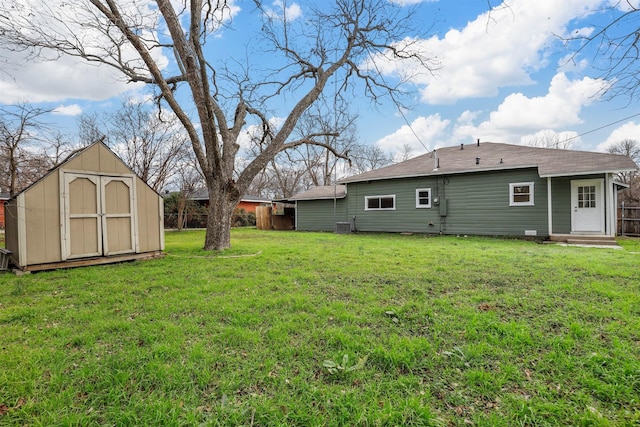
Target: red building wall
[(249, 206), (2, 213)]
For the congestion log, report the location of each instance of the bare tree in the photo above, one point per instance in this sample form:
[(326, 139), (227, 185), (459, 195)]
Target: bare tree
[(630, 148), (551, 139), (20, 128), (617, 48), (90, 130), (368, 157), (150, 142), (404, 153), (214, 99), (188, 179), (285, 175), (58, 148), (337, 127)]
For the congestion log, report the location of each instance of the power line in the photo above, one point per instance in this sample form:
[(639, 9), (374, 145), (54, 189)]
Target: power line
[(601, 127)]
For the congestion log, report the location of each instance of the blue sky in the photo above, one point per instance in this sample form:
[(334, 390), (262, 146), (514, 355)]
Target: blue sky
[(504, 77)]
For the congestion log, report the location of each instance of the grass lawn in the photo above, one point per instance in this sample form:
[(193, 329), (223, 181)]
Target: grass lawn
[(311, 329)]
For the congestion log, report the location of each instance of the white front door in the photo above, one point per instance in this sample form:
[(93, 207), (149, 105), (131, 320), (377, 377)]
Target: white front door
[(587, 206)]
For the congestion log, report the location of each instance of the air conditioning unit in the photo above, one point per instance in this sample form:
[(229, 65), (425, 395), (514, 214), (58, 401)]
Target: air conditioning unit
[(343, 227)]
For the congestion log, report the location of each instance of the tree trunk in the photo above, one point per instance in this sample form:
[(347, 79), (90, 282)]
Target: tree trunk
[(182, 202), (218, 234)]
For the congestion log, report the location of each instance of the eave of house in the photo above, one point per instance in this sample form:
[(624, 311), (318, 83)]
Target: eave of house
[(327, 192), (589, 172)]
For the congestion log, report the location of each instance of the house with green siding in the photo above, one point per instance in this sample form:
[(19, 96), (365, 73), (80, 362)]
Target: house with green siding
[(476, 189)]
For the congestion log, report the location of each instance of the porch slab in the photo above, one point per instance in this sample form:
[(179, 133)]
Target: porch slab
[(584, 239)]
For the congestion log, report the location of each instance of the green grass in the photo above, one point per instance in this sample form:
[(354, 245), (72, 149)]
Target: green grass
[(438, 331)]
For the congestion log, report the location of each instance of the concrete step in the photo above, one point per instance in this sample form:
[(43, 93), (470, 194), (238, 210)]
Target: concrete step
[(595, 242)]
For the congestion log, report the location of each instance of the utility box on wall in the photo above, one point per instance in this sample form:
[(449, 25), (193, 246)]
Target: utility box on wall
[(443, 207)]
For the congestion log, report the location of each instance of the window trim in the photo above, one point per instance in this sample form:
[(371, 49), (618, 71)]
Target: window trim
[(531, 201), (366, 202), (418, 204)]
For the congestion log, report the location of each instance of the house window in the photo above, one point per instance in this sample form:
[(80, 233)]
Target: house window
[(373, 203), (587, 196), (423, 198), (521, 194)]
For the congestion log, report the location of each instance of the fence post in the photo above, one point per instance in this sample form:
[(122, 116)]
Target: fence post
[(622, 228)]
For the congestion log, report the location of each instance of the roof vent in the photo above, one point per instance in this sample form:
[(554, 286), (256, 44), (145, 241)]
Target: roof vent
[(478, 142), (477, 160), (462, 146)]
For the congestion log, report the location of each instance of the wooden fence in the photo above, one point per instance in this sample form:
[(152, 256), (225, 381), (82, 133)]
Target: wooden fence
[(629, 220)]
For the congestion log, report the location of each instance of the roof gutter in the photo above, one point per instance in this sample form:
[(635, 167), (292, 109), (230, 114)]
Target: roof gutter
[(588, 172)]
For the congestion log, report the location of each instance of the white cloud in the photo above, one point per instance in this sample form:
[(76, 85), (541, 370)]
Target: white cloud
[(497, 49), (66, 78), (68, 110), (282, 12), (559, 107), (629, 130), (520, 115), (569, 63), (429, 130), (50, 78)]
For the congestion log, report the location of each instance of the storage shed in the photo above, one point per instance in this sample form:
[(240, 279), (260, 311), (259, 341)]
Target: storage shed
[(91, 209)]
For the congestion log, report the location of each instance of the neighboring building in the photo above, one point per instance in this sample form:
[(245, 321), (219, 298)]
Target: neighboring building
[(3, 198), (478, 189), (92, 209), (248, 203)]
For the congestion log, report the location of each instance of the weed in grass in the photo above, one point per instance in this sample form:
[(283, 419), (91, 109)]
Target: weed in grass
[(344, 366), (19, 288)]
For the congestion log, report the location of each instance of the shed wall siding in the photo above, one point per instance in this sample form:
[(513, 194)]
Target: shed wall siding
[(476, 204), (149, 218), (98, 159), (42, 202), (318, 215)]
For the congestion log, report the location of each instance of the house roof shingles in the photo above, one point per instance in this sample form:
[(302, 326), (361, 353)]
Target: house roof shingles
[(322, 192), (491, 156)]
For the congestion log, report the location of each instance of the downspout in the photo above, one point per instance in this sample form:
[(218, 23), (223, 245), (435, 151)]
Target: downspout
[(549, 207), (442, 208)]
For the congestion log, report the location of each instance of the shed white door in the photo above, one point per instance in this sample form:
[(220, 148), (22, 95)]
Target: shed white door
[(587, 206), (98, 215)]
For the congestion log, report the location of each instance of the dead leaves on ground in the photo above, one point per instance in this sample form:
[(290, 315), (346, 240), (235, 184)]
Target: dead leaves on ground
[(4, 409)]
